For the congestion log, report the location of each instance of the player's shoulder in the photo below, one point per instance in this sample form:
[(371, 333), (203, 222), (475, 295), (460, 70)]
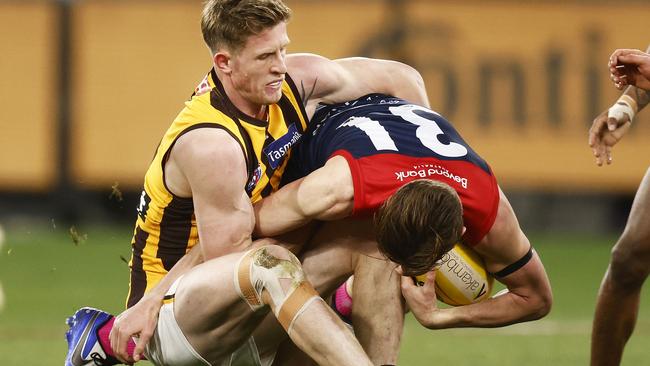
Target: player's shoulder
[(301, 62), (314, 73), (208, 145)]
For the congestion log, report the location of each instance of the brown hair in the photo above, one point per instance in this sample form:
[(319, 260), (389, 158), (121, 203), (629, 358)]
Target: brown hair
[(229, 23), (418, 224)]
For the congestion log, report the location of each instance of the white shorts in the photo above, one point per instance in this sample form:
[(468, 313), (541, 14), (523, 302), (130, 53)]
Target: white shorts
[(169, 347)]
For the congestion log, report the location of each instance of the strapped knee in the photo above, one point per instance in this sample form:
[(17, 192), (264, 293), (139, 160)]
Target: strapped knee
[(282, 278)]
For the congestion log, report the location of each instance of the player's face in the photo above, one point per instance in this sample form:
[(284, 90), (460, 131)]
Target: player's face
[(258, 69)]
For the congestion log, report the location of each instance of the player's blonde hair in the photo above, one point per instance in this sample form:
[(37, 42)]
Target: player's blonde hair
[(229, 23), (418, 224)]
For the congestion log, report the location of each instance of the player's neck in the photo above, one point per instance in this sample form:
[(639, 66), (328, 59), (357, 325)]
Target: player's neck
[(247, 107)]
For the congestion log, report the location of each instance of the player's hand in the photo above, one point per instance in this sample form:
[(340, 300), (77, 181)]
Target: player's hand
[(630, 67), (421, 300), (604, 133), (138, 321)]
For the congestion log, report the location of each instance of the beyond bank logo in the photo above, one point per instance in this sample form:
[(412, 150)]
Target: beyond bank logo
[(280, 147)]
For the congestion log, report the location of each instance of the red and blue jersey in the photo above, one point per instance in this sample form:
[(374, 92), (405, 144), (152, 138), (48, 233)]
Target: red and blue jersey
[(389, 142)]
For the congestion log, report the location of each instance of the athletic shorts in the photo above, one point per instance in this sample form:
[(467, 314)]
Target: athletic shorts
[(170, 347)]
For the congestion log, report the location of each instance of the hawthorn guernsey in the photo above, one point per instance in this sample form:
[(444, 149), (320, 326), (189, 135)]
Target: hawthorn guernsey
[(276, 150)]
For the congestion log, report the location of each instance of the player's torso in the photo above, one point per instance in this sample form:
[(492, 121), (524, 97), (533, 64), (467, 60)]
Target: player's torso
[(166, 227), (388, 143)]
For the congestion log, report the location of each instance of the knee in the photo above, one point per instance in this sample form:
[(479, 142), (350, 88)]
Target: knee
[(265, 275), (628, 268), (280, 283), (275, 252)]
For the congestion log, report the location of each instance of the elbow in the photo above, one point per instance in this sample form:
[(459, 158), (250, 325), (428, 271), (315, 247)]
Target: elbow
[(416, 77), (411, 85), (541, 305), (340, 200)]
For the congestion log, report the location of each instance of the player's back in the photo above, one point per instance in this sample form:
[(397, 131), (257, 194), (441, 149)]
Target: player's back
[(389, 142), (376, 124)]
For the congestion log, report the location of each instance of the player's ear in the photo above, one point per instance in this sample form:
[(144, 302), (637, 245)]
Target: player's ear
[(463, 232), (222, 62)]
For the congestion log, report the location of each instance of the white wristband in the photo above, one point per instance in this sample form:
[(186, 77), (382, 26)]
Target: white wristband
[(624, 105)]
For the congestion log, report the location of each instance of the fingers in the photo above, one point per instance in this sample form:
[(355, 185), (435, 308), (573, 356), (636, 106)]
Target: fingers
[(633, 58), (596, 131), (140, 344), (615, 57), (119, 338), (116, 341), (621, 130)]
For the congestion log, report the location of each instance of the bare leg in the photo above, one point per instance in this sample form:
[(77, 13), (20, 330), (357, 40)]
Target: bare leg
[(208, 308), (336, 251), (618, 299), (377, 309)]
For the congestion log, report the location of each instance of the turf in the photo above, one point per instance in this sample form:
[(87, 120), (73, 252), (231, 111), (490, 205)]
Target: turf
[(46, 276)]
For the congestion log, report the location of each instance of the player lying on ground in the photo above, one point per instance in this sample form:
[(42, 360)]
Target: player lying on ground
[(618, 299), (359, 154)]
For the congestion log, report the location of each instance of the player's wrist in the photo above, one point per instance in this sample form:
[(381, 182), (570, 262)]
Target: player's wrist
[(624, 105)]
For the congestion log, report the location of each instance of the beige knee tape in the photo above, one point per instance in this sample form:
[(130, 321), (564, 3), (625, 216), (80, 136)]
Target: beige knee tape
[(259, 270)]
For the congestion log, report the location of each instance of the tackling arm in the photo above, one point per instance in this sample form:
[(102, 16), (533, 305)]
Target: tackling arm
[(528, 297), (325, 194), (196, 167), (334, 81), (215, 169)]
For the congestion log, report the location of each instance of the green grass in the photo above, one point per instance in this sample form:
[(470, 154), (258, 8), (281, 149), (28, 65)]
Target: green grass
[(46, 277)]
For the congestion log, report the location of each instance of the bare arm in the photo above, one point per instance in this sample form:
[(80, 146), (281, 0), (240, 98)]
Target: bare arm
[(325, 194), (215, 170), (208, 165), (333, 81), (612, 124), (529, 294)]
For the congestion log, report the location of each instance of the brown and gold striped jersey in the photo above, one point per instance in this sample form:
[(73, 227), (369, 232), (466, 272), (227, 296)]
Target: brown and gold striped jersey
[(166, 226)]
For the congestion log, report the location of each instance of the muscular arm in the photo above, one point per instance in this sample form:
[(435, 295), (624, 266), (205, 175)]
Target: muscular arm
[(207, 165), (529, 294), (214, 168), (333, 81), (325, 194)]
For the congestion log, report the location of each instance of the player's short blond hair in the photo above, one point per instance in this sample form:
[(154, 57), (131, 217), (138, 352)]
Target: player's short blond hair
[(418, 224), (228, 23)]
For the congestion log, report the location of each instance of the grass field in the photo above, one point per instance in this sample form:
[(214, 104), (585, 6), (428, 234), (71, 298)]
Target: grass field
[(46, 277)]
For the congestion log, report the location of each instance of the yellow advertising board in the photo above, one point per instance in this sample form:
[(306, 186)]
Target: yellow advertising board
[(522, 81), (28, 98)]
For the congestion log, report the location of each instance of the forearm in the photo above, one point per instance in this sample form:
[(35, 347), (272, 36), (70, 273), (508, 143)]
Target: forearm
[(188, 261), (642, 97), (407, 83), (280, 212), (325, 194), (497, 311)]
